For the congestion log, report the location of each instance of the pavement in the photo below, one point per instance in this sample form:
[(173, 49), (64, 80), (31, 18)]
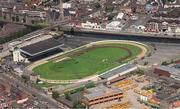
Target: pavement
[(164, 52)]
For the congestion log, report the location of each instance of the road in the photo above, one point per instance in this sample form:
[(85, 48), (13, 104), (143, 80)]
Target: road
[(31, 90)]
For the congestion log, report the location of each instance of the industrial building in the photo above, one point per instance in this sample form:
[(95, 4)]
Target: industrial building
[(101, 94), (37, 50), (118, 73), (172, 72)]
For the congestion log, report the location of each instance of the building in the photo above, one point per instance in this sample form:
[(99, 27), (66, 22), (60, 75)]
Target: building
[(118, 73), (167, 71), (66, 5), (101, 94), (120, 16), (37, 50), (152, 7), (152, 27), (17, 57), (175, 4), (140, 6), (175, 105), (114, 25), (90, 25)]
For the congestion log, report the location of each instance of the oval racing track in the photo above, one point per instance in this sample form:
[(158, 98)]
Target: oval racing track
[(143, 47)]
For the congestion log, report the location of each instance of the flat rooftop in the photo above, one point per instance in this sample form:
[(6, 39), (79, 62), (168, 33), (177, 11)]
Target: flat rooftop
[(41, 47), (100, 91), (118, 71)]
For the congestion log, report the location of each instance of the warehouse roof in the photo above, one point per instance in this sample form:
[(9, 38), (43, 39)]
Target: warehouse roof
[(41, 47), (100, 91), (171, 70), (117, 71)]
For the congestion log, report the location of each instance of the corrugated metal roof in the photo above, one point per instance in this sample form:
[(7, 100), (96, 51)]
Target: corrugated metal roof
[(117, 71), (40, 47)]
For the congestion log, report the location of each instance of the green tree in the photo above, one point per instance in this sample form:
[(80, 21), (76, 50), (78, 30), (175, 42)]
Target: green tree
[(67, 96), (164, 63), (78, 105), (25, 78), (110, 17), (17, 18), (13, 18), (109, 8), (72, 31), (97, 5), (24, 20), (4, 17), (140, 72), (65, 1), (55, 94), (32, 21)]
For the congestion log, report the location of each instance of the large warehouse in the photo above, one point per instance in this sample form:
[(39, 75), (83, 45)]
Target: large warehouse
[(37, 50)]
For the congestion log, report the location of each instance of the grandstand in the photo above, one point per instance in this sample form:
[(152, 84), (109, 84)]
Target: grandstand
[(118, 73), (37, 50)]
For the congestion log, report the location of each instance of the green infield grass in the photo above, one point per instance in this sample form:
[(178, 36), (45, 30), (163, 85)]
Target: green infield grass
[(87, 61)]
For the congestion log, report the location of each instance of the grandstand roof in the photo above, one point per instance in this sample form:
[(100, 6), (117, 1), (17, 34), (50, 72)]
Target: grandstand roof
[(41, 47), (118, 70)]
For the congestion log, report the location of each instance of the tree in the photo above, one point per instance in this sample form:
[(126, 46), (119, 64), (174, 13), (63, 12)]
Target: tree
[(13, 18), (110, 17), (32, 21), (164, 63), (67, 96), (140, 72), (17, 18), (78, 105), (24, 20), (55, 94), (97, 5), (109, 8), (72, 31), (165, 1), (64, 1), (146, 63), (38, 80), (25, 78), (4, 17)]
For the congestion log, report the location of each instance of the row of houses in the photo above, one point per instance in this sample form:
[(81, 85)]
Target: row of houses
[(101, 23), (162, 27)]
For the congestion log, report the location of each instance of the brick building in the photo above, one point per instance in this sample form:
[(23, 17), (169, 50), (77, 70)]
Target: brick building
[(167, 71), (101, 94)]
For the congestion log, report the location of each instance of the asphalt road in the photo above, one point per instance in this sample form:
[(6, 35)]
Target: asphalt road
[(28, 89)]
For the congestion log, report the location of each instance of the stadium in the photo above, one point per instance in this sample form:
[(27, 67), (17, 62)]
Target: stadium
[(88, 62)]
